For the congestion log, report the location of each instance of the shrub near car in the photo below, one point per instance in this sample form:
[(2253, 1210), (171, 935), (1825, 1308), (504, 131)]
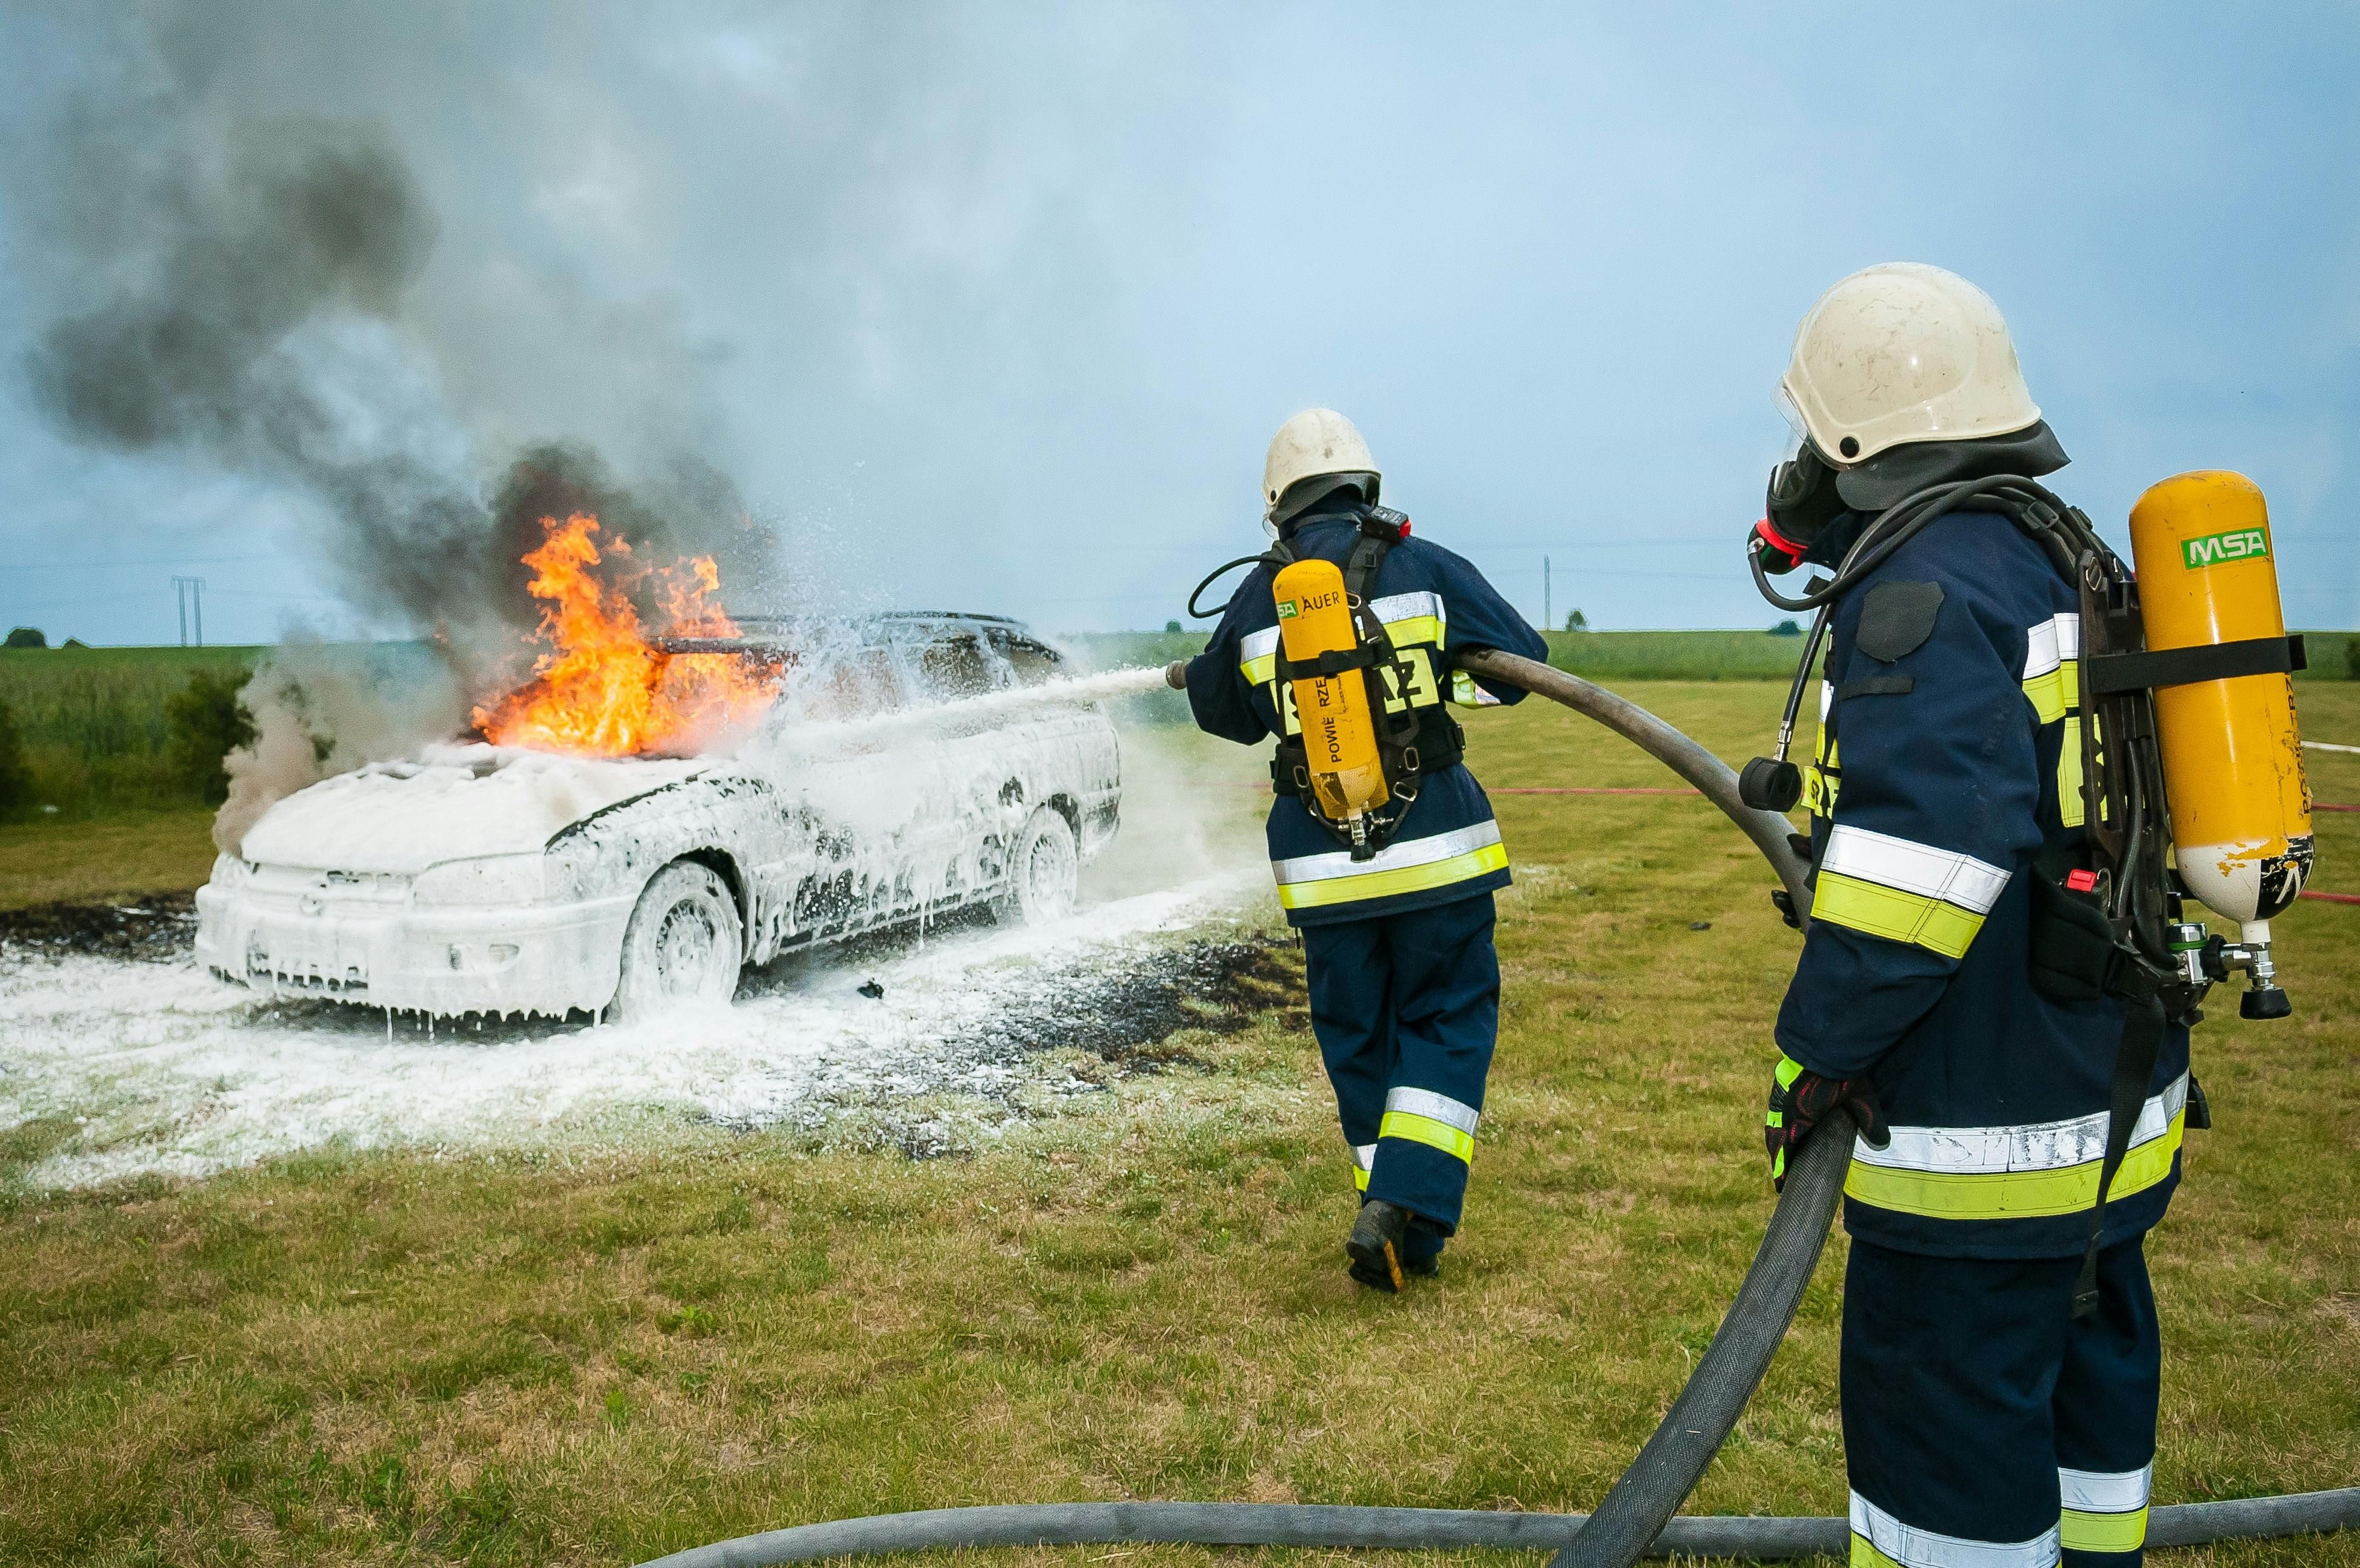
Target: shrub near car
[(483, 880)]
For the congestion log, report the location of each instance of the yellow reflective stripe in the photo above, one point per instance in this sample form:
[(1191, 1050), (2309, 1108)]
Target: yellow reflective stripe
[(1360, 1178), (1426, 1130), (1913, 918), (1820, 786), (1476, 862), (2103, 1532), (1415, 629), (2068, 774), (1467, 693), (1364, 1160), (2055, 692), (1824, 777), (1257, 671), (2047, 695), (1864, 1554), (2012, 1194)]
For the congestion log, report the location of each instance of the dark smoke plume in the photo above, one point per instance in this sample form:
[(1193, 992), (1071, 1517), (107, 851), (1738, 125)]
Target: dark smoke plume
[(249, 300)]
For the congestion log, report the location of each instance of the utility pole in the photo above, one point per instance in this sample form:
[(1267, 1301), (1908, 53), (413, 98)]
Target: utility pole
[(189, 593), (1548, 609)]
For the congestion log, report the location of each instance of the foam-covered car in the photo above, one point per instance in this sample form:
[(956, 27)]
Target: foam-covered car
[(484, 880)]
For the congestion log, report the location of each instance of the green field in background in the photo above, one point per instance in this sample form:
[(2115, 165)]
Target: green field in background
[(1642, 655), (94, 733)]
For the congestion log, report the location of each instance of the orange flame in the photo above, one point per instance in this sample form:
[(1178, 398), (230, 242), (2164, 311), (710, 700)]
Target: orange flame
[(603, 690)]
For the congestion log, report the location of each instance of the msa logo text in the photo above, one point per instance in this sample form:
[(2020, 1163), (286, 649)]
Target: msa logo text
[(2213, 549), (1287, 610)]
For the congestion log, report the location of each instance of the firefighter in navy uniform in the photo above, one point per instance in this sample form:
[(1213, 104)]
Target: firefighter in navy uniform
[(1985, 1420), (1403, 979)]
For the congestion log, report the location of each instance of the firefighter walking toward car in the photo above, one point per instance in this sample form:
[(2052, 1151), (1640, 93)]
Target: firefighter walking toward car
[(1386, 861), (1999, 1392)]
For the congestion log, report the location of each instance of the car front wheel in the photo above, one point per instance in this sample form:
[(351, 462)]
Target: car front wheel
[(1045, 872), (685, 945)]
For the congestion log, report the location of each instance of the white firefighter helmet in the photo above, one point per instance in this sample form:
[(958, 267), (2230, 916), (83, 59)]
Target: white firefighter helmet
[(1317, 440), (1900, 353)]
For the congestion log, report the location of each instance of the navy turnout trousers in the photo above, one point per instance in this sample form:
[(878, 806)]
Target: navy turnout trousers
[(1406, 1008), (1983, 1423)]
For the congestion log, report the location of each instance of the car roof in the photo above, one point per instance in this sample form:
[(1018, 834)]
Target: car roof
[(786, 633)]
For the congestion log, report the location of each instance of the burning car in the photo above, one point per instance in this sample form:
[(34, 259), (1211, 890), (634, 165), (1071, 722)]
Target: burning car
[(583, 858), (488, 879)]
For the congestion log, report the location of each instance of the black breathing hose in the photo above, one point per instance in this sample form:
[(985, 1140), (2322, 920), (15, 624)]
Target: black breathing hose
[(1636, 1519)]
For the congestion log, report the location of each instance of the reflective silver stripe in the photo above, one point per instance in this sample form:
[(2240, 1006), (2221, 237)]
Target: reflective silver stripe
[(2050, 643), (1408, 607), (2105, 1491), (1915, 1548), (1434, 1108), (2036, 1146), (1392, 857), (1920, 869), (1365, 1156), (1257, 645), (1827, 699)]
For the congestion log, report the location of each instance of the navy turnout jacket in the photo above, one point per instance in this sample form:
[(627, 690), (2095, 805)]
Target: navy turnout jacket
[(1432, 603), (1948, 754)]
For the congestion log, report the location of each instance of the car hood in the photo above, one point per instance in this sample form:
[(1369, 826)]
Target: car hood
[(453, 802)]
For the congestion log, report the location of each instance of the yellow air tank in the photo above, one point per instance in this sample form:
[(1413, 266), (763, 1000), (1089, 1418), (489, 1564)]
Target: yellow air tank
[(2232, 756), (1339, 734)]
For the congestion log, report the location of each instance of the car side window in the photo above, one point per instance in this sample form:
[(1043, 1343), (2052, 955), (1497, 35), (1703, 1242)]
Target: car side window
[(862, 681), (958, 664), (1029, 662)]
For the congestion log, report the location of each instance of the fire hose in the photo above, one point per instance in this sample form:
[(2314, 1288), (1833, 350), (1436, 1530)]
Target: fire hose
[(1636, 1519)]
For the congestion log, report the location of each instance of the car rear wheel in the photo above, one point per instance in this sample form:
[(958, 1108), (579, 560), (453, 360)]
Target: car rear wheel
[(685, 944), (1045, 872)]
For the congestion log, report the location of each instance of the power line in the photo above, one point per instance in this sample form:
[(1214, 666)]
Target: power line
[(146, 561)]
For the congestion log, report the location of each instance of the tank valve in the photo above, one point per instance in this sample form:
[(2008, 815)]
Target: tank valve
[(2264, 999), (2189, 941)]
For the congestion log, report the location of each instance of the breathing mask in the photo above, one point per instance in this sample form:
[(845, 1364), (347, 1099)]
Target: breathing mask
[(1801, 499)]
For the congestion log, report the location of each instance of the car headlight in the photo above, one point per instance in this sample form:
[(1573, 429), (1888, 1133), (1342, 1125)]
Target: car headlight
[(490, 879)]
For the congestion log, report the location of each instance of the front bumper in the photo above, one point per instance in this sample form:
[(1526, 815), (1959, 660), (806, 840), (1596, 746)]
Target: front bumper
[(536, 958)]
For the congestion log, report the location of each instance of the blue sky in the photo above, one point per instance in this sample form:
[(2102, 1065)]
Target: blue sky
[(995, 308)]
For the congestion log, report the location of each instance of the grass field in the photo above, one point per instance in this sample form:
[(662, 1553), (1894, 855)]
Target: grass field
[(124, 854), (93, 722), (437, 1356)]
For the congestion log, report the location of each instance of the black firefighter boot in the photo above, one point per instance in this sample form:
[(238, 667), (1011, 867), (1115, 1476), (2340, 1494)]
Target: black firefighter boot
[(1375, 1248)]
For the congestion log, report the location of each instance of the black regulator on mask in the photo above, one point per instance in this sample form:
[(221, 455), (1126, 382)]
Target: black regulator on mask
[(1801, 502), (1899, 491)]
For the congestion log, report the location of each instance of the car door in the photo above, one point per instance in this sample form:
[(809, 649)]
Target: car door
[(868, 792)]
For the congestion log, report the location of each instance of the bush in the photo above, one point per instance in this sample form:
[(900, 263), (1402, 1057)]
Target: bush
[(1790, 627), (1577, 621), (207, 722), (1171, 626), (2352, 657), (27, 637), (16, 782)]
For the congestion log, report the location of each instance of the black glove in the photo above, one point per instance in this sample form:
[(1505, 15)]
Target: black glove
[(1801, 502), (1801, 1100)]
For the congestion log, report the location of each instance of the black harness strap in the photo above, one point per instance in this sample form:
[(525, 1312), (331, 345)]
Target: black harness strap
[(2134, 1054), (1411, 743), (2112, 673)]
